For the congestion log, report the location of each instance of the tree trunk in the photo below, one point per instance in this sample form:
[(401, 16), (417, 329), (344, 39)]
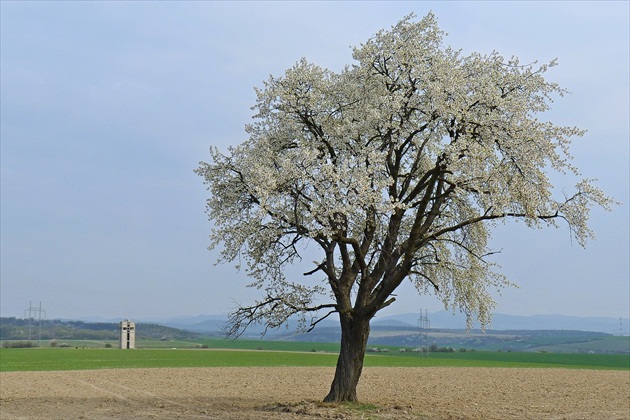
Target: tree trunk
[(354, 335)]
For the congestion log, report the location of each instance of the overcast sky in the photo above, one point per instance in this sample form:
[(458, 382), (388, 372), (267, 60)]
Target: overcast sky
[(107, 107)]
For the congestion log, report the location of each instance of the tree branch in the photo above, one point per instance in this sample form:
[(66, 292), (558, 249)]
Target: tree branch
[(267, 312), (313, 324)]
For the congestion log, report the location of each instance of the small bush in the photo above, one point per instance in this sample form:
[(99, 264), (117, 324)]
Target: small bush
[(108, 345)]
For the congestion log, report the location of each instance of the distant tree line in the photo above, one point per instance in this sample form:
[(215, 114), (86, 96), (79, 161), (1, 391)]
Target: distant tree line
[(24, 329)]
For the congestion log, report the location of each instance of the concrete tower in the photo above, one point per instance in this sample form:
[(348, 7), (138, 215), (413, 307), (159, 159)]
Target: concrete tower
[(127, 334)]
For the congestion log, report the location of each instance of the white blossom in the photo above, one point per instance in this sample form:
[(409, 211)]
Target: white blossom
[(396, 168)]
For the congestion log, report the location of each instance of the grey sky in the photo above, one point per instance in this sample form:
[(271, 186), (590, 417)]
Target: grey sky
[(107, 107)]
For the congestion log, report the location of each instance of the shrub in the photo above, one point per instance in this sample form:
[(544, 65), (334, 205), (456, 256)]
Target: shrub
[(18, 344)]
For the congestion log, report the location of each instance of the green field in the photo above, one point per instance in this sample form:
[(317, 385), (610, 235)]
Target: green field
[(223, 353)]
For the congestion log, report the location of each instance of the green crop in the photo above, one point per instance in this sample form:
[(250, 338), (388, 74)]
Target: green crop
[(42, 359)]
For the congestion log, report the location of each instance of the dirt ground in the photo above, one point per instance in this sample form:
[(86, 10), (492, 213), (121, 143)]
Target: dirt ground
[(294, 393)]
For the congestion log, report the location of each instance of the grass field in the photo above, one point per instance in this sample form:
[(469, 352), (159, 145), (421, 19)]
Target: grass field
[(273, 353)]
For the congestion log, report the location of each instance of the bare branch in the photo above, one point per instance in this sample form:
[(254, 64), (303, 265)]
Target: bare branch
[(313, 324), (320, 266), (272, 312)]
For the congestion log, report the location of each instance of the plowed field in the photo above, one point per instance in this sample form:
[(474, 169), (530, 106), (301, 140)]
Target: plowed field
[(294, 393)]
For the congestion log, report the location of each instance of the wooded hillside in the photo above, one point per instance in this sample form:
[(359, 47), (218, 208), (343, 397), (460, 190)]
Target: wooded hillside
[(25, 329)]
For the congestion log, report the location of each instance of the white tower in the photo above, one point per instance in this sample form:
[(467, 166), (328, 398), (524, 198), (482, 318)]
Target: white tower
[(127, 334)]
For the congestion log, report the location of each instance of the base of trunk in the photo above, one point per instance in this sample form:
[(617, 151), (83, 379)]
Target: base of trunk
[(354, 336)]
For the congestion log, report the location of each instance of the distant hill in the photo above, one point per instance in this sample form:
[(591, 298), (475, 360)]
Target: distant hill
[(440, 319), (22, 329), (446, 319), (553, 333), (392, 331), (567, 341)]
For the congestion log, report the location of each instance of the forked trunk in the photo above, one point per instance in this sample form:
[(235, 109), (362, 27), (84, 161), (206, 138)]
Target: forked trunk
[(354, 335)]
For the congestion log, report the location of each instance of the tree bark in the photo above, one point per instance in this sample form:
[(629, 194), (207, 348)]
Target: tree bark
[(354, 335)]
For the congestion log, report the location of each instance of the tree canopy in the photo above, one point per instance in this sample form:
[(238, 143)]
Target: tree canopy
[(395, 168)]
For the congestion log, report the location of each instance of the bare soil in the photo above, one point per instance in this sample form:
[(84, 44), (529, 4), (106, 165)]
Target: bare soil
[(294, 393)]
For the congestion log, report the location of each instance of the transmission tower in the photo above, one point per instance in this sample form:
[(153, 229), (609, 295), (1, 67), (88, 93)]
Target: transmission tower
[(423, 321), (424, 325), (32, 311)]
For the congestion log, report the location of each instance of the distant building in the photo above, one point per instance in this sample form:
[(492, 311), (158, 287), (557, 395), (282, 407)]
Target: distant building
[(127, 334)]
